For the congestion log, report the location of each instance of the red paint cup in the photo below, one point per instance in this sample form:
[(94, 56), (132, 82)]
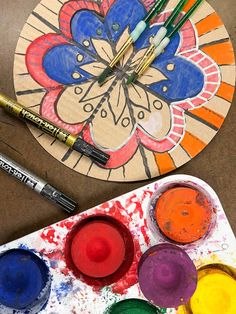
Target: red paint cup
[(99, 250)]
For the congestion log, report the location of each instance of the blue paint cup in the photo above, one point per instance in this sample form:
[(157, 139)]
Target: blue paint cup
[(25, 282)]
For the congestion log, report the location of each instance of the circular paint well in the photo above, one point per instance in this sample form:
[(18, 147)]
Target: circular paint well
[(24, 281), (100, 247), (167, 276), (132, 306), (215, 293), (183, 214)]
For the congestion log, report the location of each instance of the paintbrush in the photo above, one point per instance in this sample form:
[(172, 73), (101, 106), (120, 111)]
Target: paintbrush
[(136, 33), (162, 39), (157, 39)]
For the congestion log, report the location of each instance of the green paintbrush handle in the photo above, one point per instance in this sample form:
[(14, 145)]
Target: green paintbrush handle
[(175, 13), (184, 19), (163, 30), (141, 26), (155, 9)]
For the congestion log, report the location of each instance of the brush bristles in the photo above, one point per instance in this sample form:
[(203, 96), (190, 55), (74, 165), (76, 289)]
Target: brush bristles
[(132, 78), (102, 78)]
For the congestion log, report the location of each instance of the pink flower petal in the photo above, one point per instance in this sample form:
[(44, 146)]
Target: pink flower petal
[(47, 110), (171, 139), (119, 157)]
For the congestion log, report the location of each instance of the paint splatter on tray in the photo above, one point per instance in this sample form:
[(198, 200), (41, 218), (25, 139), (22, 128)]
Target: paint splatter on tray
[(124, 234)]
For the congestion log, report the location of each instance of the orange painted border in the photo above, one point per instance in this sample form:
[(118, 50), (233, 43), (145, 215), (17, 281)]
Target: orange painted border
[(222, 53), (226, 91), (208, 115), (164, 162), (208, 24), (192, 145), (188, 5)]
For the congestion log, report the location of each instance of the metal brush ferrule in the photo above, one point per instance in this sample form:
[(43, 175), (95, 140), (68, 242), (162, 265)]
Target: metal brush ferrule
[(145, 58), (146, 64), (121, 52)]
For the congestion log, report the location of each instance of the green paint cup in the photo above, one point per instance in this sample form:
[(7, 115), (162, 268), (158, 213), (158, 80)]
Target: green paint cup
[(134, 306)]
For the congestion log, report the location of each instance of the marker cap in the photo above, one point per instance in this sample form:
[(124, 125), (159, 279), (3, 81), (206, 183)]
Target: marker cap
[(90, 151), (59, 198)]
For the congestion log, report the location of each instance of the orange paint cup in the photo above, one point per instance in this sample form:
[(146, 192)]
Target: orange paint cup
[(183, 214)]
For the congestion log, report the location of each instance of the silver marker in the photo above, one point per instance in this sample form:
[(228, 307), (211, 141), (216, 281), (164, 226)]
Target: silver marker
[(35, 183)]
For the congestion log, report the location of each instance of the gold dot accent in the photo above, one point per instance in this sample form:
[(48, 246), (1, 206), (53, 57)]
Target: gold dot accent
[(86, 43), (76, 75), (80, 58), (165, 89), (170, 67)]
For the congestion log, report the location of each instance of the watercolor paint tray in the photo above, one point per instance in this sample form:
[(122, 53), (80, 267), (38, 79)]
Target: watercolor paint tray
[(70, 294)]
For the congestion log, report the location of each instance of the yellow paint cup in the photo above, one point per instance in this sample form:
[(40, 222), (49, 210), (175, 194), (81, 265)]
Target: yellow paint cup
[(215, 293)]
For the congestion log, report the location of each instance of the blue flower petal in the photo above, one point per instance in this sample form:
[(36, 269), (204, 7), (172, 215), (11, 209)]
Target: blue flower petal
[(185, 79), (61, 63), (86, 25), (121, 14)]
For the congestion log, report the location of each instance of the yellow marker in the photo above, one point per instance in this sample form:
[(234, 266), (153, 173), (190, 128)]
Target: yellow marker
[(73, 141), (215, 293)]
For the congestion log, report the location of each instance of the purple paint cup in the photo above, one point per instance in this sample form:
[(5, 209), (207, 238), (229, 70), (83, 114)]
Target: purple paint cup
[(167, 275)]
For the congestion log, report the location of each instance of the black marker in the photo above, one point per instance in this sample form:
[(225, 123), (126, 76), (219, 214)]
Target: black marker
[(37, 184)]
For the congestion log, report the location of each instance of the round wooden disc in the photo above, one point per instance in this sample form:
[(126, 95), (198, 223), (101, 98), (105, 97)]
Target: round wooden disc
[(149, 128)]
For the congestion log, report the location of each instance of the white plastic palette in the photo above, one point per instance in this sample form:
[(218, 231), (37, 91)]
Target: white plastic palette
[(72, 295)]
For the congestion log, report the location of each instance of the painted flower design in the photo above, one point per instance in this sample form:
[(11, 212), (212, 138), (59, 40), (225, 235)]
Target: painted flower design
[(114, 117)]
